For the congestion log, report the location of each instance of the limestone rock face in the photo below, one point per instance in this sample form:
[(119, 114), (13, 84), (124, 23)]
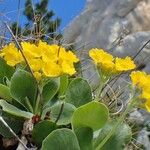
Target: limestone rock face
[(121, 26)]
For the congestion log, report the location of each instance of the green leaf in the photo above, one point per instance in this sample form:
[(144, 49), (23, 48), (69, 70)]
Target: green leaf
[(15, 124), (118, 141), (61, 139), (41, 130), (5, 93), (23, 86), (93, 115), (85, 138), (5, 70), (49, 90), (67, 112), (6, 107), (78, 92), (63, 84)]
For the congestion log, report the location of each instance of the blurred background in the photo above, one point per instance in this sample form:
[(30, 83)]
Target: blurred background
[(66, 10)]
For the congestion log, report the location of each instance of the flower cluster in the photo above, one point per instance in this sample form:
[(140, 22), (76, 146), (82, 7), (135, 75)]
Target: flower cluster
[(50, 60), (11, 54), (107, 62), (142, 81)]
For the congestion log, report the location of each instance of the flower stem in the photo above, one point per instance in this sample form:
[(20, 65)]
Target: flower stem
[(39, 101), (100, 89), (29, 105), (37, 105), (103, 81)]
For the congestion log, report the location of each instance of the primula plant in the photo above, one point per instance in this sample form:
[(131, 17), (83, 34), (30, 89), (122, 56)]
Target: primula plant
[(47, 102)]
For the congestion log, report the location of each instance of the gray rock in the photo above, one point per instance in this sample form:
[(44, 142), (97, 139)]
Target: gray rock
[(143, 138), (136, 117), (103, 23), (118, 26)]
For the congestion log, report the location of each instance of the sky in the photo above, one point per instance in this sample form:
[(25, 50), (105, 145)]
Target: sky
[(64, 9)]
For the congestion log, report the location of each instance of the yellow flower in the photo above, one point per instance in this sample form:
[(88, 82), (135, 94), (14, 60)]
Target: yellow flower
[(145, 93), (42, 46), (52, 53), (53, 60), (138, 78), (142, 81), (147, 105), (124, 64), (36, 64), (11, 54), (31, 50), (106, 62), (68, 56), (52, 69), (108, 66), (100, 56), (37, 75), (62, 61), (67, 59), (68, 68), (103, 60)]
